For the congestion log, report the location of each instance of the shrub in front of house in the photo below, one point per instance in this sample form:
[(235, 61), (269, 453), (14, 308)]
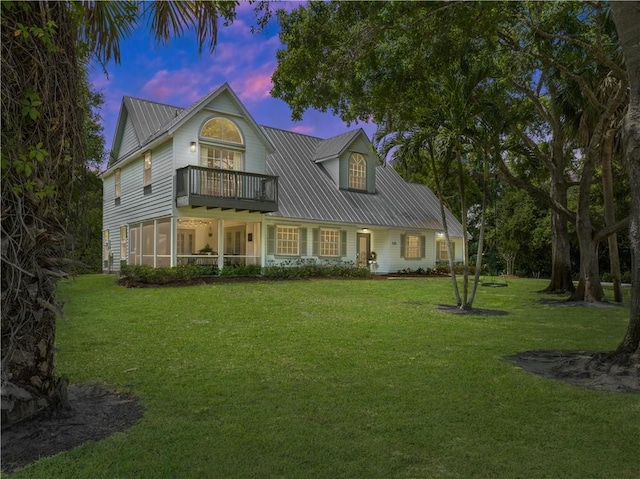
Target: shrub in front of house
[(442, 267), (311, 268), (302, 268), (143, 273), (241, 271)]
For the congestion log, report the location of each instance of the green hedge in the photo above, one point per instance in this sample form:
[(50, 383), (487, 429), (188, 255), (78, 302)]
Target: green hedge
[(303, 268), (442, 267), (148, 274), (311, 268)]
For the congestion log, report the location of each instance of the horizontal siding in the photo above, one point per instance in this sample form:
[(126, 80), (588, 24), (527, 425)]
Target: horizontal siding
[(134, 205)]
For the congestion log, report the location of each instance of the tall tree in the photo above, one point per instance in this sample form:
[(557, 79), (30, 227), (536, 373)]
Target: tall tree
[(370, 60), (626, 16), (44, 47)]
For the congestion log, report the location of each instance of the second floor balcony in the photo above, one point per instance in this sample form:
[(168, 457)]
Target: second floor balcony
[(226, 189)]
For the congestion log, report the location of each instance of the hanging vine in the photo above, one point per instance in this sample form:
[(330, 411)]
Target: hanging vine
[(42, 150)]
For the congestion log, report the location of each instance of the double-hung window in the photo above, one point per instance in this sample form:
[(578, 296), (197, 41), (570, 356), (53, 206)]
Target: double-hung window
[(329, 242), (116, 176), (442, 251), (287, 240), (412, 246)]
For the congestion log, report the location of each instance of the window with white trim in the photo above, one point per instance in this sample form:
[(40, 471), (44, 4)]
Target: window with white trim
[(287, 240), (442, 251), (412, 248), (329, 242), (357, 172), (221, 129), (226, 145), (147, 168), (117, 183)]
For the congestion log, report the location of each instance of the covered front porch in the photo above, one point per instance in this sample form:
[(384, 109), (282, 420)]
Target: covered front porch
[(183, 240), (216, 241)]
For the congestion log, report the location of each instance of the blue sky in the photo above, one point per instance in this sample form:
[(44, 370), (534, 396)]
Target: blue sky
[(174, 74)]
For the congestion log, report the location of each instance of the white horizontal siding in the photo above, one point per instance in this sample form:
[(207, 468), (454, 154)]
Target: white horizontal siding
[(134, 205), (255, 154)]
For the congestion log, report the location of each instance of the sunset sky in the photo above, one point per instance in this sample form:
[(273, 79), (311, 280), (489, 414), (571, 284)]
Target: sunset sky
[(174, 74)]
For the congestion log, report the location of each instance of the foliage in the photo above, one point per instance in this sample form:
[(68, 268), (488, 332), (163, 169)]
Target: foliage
[(46, 131), (143, 273), (293, 269), (43, 150), (339, 378), (311, 268), (241, 270)]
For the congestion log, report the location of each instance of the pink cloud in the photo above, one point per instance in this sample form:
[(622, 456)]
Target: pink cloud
[(182, 87), (253, 88), (304, 129)]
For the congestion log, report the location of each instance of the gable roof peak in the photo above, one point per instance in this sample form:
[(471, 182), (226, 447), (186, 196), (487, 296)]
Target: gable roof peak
[(336, 145)]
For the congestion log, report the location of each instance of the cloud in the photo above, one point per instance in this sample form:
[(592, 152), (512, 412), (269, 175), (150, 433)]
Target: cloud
[(181, 87), (304, 129), (254, 88)]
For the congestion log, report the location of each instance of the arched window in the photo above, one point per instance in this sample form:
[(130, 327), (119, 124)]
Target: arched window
[(357, 172), (221, 129), (221, 144)]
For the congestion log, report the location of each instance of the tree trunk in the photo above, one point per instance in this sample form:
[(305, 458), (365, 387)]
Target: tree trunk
[(609, 214), (42, 121), (443, 216), (589, 286), (561, 278), (626, 16), (463, 216)]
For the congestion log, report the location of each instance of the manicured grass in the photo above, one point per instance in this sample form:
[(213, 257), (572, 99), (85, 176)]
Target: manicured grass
[(340, 379)]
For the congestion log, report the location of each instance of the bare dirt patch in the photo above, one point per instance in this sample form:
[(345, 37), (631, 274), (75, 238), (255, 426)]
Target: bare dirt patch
[(603, 371), (471, 312), (96, 413)]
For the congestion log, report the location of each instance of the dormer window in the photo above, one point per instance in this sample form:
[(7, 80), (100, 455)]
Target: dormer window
[(357, 172), (221, 144)]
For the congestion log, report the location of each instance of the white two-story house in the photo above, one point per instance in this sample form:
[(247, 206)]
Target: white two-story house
[(207, 185)]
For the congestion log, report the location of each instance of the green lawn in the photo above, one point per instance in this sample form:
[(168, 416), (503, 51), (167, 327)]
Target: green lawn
[(340, 379)]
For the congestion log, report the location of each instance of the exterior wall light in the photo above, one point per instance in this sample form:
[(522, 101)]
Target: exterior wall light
[(192, 147)]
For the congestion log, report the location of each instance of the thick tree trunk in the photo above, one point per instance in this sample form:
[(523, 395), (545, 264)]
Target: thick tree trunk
[(626, 16), (561, 278), (609, 214), (589, 286), (42, 67)]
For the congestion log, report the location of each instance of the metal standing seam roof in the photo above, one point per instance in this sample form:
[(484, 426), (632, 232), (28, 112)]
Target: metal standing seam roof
[(307, 192), (332, 147)]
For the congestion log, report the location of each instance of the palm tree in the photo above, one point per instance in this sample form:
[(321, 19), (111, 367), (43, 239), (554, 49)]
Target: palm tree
[(626, 16), (45, 46)]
